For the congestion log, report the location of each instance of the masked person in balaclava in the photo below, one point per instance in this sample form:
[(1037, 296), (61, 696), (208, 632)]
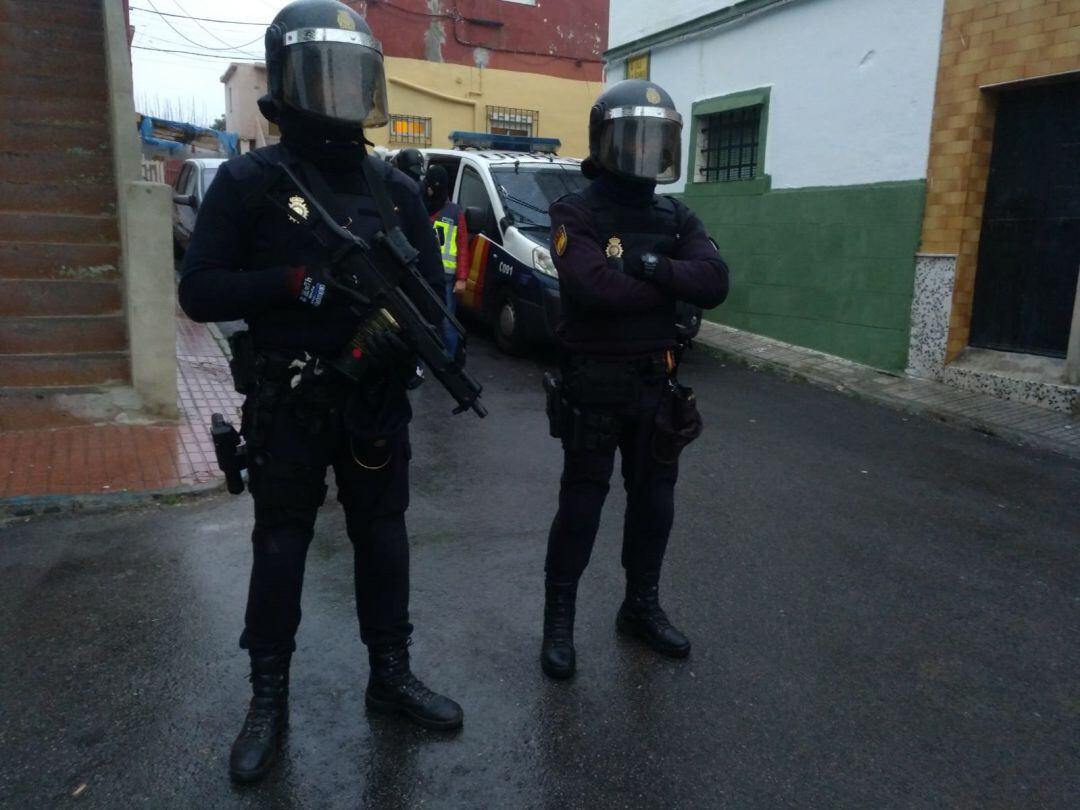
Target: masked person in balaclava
[(448, 219)]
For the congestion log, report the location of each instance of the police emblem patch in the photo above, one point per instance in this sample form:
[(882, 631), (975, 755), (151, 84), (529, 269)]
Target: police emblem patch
[(614, 248), (560, 240), (652, 96), (344, 20), (298, 205)]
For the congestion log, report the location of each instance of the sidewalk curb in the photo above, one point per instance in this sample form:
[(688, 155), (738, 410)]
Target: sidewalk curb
[(34, 506), (858, 381)]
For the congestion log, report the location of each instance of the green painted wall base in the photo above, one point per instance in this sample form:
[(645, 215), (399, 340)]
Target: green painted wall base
[(827, 268)]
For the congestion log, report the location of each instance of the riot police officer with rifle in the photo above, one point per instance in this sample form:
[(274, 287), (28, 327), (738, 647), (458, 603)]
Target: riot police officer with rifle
[(282, 239), (626, 257)]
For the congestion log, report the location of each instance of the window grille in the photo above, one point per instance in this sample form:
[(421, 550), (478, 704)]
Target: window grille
[(730, 142), (414, 130), (513, 121)]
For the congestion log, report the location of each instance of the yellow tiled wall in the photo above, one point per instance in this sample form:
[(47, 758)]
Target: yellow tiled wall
[(984, 43)]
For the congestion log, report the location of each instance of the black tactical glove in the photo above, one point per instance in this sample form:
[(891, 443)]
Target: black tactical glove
[(309, 285), (645, 266), (385, 350)]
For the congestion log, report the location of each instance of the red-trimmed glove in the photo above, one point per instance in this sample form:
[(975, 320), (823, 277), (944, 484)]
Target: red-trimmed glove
[(308, 285)]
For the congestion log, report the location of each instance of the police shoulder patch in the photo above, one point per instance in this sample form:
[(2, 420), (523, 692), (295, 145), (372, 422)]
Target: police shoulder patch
[(560, 240)]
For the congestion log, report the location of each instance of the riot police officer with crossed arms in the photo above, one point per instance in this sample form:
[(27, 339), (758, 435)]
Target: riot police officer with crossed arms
[(252, 257), (625, 257)]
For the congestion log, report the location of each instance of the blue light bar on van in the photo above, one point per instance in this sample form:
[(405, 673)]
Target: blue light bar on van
[(507, 143)]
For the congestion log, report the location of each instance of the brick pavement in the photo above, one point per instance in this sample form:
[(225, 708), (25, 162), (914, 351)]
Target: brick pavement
[(39, 466)]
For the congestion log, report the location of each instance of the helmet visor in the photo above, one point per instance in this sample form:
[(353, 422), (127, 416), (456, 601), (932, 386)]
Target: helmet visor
[(643, 142), (336, 74)]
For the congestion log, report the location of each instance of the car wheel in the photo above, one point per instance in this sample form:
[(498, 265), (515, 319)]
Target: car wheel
[(507, 325)]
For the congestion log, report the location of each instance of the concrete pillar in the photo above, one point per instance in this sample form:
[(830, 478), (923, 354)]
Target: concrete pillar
[(145, 217), (150, 294)]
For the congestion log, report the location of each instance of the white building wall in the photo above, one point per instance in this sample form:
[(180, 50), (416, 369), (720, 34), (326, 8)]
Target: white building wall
[(638, 18), (852, 85)]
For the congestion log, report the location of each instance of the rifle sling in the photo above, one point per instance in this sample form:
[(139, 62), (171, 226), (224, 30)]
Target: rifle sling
[(327, 199)]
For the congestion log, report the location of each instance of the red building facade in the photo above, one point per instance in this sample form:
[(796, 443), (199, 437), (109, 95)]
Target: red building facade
[(562, 38)]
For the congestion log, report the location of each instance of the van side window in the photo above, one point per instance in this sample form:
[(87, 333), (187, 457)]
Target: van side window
[(473, 194), (191, 180), (182, 180)]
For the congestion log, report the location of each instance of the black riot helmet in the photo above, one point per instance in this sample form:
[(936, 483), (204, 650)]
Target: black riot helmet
[(411, 162), (323, 63), (634, 131)]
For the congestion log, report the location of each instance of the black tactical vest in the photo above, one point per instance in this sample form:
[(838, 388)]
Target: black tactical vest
[(624, 232)]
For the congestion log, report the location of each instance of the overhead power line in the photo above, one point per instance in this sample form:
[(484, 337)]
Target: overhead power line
[(211, 33), (186, 38), (203, 19), (203, 55)]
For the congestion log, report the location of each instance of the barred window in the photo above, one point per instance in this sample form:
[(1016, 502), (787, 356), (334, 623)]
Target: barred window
[(729, 143), (414, 130), (513, 121)]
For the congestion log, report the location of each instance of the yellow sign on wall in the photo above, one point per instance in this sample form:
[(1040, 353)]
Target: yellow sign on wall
[(637, 67)]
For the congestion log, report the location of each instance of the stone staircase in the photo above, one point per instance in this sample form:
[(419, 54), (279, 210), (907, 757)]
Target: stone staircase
[(62, 324)]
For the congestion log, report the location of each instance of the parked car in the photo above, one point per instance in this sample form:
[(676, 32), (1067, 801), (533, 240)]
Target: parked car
[(189, 188), (505, 185)]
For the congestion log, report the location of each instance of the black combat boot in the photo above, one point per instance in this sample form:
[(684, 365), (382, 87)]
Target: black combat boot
[(642, 617), (264, 727), (557, 657), (393, 688)]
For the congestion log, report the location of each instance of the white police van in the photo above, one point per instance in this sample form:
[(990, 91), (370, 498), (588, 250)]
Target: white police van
[(505, 184)]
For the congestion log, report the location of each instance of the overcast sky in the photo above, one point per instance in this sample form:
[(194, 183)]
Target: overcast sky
[(184, 85)]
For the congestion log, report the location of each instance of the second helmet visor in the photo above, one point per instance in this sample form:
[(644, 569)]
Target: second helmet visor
[(647, 145), (341, 81)]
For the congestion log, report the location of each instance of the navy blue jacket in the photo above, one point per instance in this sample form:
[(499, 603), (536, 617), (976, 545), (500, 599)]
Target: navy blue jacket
[(242, 251), (606, 311)]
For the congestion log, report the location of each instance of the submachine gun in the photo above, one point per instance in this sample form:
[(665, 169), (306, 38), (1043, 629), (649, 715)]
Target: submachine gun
[(383, 293)]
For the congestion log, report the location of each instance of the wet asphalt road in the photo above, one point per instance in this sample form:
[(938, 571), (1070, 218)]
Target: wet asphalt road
[(885, 613)]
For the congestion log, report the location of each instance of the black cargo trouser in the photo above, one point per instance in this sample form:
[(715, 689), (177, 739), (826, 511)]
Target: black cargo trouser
[(298, 440), (650, 485)]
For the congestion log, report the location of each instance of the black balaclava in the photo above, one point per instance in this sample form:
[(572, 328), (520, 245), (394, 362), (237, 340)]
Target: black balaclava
[(435, 191), (326, 146), (627, 190)]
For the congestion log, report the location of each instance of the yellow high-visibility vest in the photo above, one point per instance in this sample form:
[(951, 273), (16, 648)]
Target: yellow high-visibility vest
[(446, 230)]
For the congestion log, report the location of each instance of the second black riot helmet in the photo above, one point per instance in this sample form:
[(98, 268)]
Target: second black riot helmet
[(635, 131), (410, 161), (323, 62)]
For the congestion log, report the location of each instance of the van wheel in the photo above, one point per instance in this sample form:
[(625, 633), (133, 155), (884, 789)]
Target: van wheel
[(507, 325)]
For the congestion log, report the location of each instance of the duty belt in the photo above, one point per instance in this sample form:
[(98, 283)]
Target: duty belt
[(658, 364)]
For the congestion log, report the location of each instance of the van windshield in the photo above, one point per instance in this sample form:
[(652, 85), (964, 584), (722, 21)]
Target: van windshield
[(528, 191)]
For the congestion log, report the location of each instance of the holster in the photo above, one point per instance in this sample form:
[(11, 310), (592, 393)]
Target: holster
[(554, 406), (677, 423), (242, 361), (580, 427)]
